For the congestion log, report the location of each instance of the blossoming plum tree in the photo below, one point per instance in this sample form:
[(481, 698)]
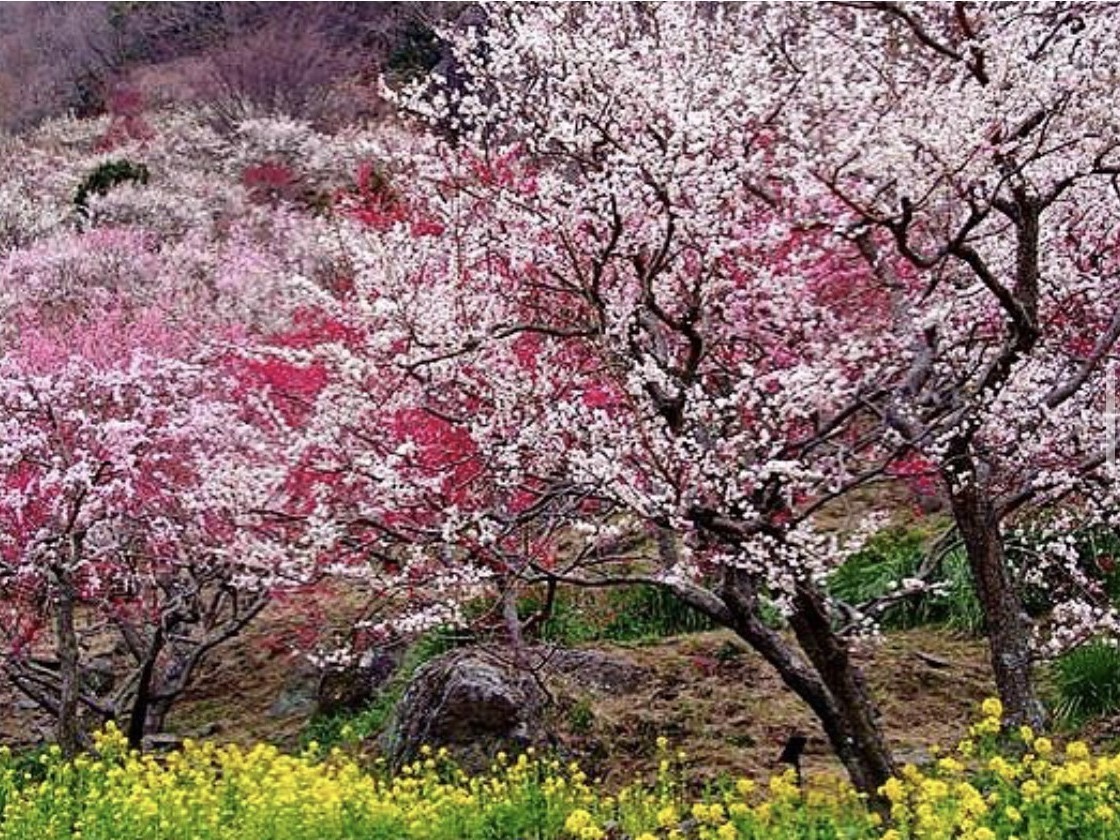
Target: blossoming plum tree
[(603, 335), (692, 276), (991, 229), (140, 483)]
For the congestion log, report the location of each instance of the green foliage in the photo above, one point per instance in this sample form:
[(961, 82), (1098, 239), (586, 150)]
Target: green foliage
[(896, 554), (417, 51), (1086, 682), (956, 605), (581, 717), (1099, 549), (353, 727), (625, 614), (30, 764), (106, 176), (572, 621), (887, 558), (650, 612), (339, 729)]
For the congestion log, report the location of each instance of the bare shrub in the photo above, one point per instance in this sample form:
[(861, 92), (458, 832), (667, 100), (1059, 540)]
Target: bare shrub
[(283, 67), (54, 58)]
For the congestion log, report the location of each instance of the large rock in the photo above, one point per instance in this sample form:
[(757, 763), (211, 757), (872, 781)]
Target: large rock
[(473, 700), (477, 701), (299, 694)]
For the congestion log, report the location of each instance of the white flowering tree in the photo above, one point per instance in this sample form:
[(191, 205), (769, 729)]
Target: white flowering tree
[(601, 352), (678, 280), (974, 154)]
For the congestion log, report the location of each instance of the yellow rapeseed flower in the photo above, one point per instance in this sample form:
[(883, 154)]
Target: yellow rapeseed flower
[(950, 765), (1077, 750), (578, 820), (992, 707), (894, 790), (1002, 767), (986, 726), (668, 817), (214, 792)]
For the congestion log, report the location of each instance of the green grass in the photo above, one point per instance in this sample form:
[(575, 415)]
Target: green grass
[(896, 554), (626, 614), (1086, 682)]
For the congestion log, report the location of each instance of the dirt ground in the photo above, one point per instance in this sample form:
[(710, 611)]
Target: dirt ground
[(706, 692), (730, 713)]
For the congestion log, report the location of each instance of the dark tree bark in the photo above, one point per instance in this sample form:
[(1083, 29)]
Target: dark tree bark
[(967, 476), (828, 682), (67, 726), (138, 718), (852, 724), (1008, 627)]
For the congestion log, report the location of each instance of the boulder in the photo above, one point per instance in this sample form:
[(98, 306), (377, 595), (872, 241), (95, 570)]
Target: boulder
[(299, 693), (473, 700), (335, 689)]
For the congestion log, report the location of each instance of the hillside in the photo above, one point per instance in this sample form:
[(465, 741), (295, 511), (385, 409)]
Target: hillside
[(705, 692)]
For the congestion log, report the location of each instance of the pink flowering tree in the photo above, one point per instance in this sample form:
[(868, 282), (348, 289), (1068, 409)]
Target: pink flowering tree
[(664, 298), (141, 491), (153, 379)]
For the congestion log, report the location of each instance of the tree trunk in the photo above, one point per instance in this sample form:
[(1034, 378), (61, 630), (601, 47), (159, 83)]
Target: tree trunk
[(159, 707), (831, 685), (169, 684), (512, 620), (138, 724), (67, 726), (1007, 624), (853, 728)]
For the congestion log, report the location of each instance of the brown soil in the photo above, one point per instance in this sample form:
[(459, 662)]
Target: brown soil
[(730, 713), (708, 694)]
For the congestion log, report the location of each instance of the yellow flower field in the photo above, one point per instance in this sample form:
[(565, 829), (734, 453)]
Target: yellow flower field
[(990, 786)]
